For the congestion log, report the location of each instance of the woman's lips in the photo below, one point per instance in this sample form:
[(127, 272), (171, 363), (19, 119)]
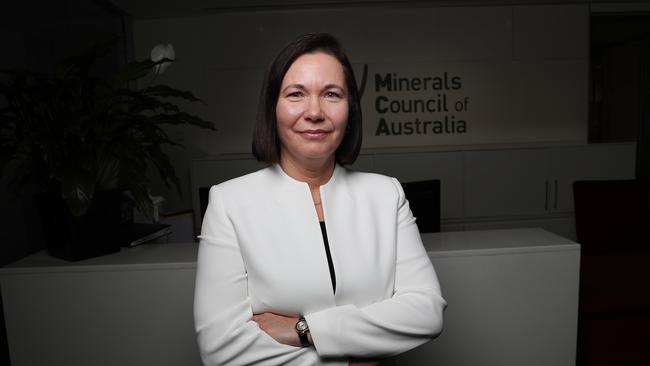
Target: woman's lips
[(314, 134)]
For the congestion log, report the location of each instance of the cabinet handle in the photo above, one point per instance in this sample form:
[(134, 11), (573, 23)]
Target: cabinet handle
[(555, 193), (546, 196)]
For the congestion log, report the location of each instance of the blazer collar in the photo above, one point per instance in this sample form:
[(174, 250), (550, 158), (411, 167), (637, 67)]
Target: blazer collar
[(283, 178), (288, 185)]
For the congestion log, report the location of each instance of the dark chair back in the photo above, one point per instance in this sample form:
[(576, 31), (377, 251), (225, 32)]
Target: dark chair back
[(611, 215), (424, 200), (204, 197)]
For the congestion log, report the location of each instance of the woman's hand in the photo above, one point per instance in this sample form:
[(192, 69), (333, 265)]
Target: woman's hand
[(283, 330), (279, 327)]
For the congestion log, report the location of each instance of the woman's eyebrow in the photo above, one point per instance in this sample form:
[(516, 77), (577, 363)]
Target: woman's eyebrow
[(302, 87), (330, 86), (297, 86)]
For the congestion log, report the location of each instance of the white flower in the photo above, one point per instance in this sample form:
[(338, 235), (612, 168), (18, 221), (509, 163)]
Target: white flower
[(160, 52)]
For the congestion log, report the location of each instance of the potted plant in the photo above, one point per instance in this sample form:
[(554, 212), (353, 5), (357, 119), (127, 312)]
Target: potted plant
[(86, 141)]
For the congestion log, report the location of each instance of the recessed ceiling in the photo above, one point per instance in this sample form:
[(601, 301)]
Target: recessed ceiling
[(47, 10), (172, 8)]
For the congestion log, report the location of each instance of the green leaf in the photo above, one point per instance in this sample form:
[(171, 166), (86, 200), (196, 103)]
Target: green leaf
[(78, 194), (167, 91), (135, 70), (108, 171), (182, 118), (140, 193)]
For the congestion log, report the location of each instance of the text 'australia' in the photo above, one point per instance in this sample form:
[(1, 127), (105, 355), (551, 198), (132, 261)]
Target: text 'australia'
[(446, 125)]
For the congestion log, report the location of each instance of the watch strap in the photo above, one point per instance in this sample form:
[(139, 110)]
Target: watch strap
[(302, 329)]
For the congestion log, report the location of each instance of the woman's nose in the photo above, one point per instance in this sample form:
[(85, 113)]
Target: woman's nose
[(314, 111)]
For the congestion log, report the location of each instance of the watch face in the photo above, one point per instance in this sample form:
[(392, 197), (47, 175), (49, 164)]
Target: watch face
[(301, 326)]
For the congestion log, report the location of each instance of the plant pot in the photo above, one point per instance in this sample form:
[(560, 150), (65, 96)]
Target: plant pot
[(98, 232)]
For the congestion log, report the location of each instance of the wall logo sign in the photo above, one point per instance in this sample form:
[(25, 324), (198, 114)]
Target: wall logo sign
[(463, 103), (399, 96), (413, 102)]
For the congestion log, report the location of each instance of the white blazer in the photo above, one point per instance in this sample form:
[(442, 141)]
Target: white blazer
[(262, 250)]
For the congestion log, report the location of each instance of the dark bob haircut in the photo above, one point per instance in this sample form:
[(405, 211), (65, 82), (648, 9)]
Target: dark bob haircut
[(266, 143)]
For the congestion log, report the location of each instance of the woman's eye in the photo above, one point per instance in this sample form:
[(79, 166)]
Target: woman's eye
[(332, 95), (294, 95)]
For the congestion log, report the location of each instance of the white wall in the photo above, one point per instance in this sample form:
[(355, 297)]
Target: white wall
[(523, 70)]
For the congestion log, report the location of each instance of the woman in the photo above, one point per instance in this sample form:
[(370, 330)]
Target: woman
[(305, 262)]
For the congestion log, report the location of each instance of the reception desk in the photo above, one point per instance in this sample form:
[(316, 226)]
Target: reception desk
[(513, 300), (512, 295)]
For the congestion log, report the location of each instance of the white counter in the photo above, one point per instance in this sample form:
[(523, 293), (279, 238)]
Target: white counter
[(129, 308), (513, 300)]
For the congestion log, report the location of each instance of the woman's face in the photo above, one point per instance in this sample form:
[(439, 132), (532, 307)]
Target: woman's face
[(312, 108)]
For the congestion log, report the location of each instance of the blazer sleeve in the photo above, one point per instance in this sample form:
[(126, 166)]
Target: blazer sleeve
[(222, 311), (411, 317)]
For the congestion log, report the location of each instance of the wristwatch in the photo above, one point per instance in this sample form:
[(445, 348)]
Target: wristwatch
[(302, 329)]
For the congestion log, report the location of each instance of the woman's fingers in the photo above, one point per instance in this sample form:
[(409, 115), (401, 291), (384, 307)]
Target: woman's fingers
[(279, 327)]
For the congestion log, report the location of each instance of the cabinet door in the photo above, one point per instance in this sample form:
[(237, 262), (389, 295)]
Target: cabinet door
[(589, 162), (412, 167), (506, 183)]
